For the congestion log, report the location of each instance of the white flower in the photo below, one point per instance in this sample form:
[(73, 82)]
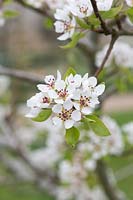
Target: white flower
[(129, 2), (90, 86), (80, 8), (36, 3), (104, 5), (54, 4), (66, 114), (65, 24), (122, 55), (128, 129), (37, 102)]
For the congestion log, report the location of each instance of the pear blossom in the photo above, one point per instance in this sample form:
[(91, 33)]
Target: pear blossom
[(80, 8), (65, 23), (104, 5), (129, 3), (128, 129), (54, 4), (122, 55), (36, 3), (70, 99), (66, 114), (37, 102)]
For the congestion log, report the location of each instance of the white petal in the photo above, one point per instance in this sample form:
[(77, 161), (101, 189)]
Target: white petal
[(76, 105), (99, 89), (76, 95), (65, 36), (68, 124), (86, 110), (33, 112), (92, 81), (68, 104), (57, 108), (58, 75), (59, 101), (52, 94), (85, 77), (42, 87), (60, 85), (77, 80), (57, 121), (76, 115)]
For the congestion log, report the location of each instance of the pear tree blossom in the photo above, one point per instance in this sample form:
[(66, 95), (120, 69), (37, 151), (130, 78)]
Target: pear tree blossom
[(69, 99)]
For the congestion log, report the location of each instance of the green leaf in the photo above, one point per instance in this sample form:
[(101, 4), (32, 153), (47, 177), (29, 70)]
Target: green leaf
[(10, 13), (111, 13), (76, 37), (129, 13), (72, 136), (94, 21), (43, 115), (97, 125), (48, 23), (69, 71), (82, 23)]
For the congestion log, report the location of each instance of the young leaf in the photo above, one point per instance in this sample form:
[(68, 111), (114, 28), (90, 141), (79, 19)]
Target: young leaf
[(43, 115), (69, 71), (10, 13), (97, 125), (82, 23), (111, 13), (72, 136), (129, 12), (76, 37)]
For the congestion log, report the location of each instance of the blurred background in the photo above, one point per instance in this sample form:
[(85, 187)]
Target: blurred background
[(27, 43)]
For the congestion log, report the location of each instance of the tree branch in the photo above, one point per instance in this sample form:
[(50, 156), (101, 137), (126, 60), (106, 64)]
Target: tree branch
[(41, 11), (97, 14), (21, 75), (110, 189), (113, 40)]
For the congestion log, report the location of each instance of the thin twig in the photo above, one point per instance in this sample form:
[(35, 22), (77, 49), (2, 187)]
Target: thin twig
[(21, 75), (97, 14), (113, 40), (41, 11), (110, 189)]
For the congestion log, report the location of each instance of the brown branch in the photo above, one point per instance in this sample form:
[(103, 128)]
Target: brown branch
[(21, 75), (42, 11), (113, 40), (97, 14), (110, 189)]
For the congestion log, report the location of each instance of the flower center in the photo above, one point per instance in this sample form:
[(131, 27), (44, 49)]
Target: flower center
[(84, 101), (46, 100), (83, 9), (63, 93), (67, 26), (65, 114)]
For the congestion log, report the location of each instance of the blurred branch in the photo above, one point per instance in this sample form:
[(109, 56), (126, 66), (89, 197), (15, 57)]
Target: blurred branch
[(21, 75), (42, 11), (111, 45), (110, 189), (124, 172)]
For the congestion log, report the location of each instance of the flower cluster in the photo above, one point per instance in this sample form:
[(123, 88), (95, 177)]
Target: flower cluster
[(70, 99), (66, 17), (122, 55), (128, 129), (52, 4)]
